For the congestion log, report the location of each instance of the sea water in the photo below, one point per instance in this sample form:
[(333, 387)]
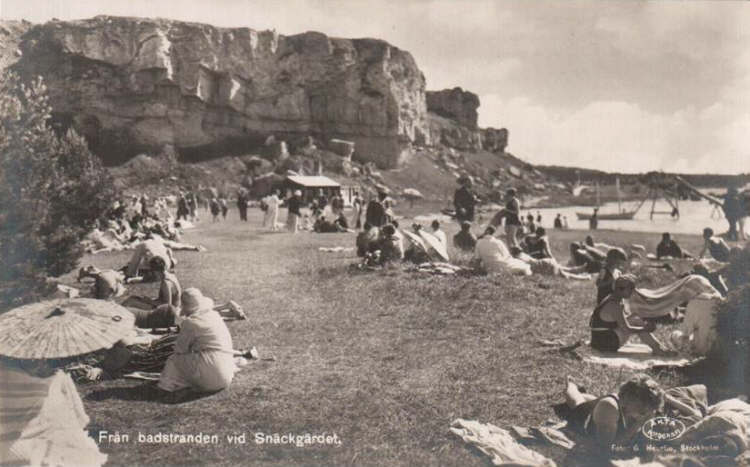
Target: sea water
[(694, 217)]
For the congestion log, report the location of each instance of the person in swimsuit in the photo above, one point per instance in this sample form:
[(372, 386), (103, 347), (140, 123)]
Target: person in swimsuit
[(614, 263), (617, 418), (611, 323)]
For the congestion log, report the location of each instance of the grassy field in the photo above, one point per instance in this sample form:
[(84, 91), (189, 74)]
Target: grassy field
[(385, 360)]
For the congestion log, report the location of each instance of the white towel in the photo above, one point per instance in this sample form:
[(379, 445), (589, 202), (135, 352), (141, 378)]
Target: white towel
[(497, 443)]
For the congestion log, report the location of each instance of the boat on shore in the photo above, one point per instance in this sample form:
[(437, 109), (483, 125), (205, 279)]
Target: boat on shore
[(614, 216), (622, 215)]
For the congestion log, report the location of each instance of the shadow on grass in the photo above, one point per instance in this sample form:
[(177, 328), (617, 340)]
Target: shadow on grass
[(147, 392)]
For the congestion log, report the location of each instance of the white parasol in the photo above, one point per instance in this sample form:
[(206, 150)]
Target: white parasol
[(435, 243), (62, 328)]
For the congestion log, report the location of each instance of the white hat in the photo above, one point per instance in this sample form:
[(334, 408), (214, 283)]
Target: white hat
[(297, 193), (193, 302)]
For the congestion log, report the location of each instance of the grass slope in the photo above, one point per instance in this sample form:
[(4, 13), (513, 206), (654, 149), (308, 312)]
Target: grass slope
[(385, 360)]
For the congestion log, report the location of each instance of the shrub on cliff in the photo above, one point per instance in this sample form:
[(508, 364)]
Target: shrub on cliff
[(52, 190)]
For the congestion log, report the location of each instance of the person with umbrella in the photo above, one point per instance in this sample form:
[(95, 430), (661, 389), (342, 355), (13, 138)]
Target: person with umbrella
[(44, 424)]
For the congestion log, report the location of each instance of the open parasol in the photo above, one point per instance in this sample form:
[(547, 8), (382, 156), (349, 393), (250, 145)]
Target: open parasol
[(434, 243), (62, 328), (416, 240)]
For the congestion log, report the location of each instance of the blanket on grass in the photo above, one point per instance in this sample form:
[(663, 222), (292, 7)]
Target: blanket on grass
[(498, 444), (654, 303), (631, 356)]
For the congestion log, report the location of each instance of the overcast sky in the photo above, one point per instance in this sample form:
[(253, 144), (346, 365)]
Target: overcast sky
[(615, 85)]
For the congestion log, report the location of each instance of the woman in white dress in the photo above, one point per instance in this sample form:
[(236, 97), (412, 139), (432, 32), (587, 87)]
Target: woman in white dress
[(203, 357)]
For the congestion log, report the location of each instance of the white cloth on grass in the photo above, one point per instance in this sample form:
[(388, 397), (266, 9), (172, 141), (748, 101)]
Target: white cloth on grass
[(498, 444), (42, 421)]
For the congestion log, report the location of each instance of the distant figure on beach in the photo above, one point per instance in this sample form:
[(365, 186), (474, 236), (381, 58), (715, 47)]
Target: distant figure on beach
[(565, 223), (669, 248), (215, 208), (538, 218), (716, 246), (512, 215), (594, 220), (294, 204), (224, 207), (375, 214), (530, 225), (733, 211), (242, 204), (271, 217), (558, 222), (464, 200), (357, 211)]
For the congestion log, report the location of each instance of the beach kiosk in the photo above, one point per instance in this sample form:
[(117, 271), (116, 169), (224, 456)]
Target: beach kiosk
[(312, 186)]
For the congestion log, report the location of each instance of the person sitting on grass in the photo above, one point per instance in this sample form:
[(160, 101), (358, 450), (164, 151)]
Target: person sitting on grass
[(342, 225), (716, 246), (366, 239), (538, 244), (617, 418), (166, 307), (614, 264), (391, 249), (203, 358), (493, 256), (322, 225), (612, 325), (465, 240), (439, 233), (669, 248), (549, 266)]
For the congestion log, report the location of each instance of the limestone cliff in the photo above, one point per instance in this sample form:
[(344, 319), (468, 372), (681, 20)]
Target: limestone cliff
[(132, 85)]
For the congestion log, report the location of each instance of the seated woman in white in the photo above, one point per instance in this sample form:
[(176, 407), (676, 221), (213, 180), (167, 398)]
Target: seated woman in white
[(203, 358), (495, 257)]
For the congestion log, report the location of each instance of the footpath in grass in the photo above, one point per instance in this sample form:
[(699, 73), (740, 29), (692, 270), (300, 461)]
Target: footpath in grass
[(383, 360)]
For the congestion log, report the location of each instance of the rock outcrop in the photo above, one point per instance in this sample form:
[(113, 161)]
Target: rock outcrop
[(134, 85), (494, 140), (455, 104), (452, 118)]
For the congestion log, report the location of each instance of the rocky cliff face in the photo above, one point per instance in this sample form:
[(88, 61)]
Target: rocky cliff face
[(133, 85), (494, 140), (452, 118)]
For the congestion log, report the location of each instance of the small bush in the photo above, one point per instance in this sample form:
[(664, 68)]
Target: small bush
[(52, 190)]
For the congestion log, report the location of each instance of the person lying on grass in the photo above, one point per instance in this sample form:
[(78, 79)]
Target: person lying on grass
[(549, 266), (203, 358), (580, 257), (618, 418), (612, 324)]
